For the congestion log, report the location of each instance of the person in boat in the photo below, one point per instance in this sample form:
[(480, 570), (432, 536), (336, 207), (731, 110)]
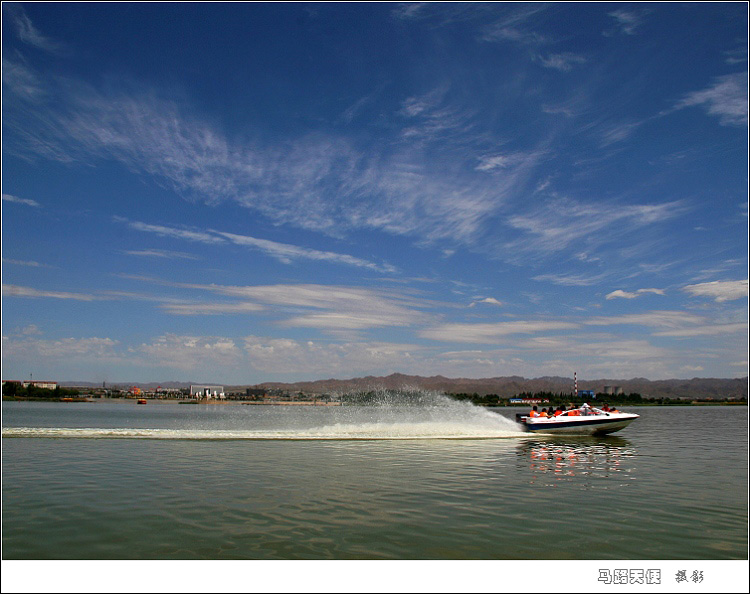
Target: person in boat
[(560, 410), (544, 414), (613, 410), (533, 412), (573, 411), (605, 408)]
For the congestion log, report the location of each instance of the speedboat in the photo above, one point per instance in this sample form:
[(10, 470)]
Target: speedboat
[(585, 420)]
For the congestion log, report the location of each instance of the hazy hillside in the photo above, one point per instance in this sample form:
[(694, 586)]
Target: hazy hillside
[(502, 386), (510, 386)]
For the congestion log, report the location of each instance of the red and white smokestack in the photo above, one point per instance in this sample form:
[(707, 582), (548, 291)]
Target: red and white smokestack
[(575, 382)]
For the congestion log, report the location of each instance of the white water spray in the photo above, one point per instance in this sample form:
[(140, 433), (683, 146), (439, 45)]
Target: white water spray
[(377, 414)]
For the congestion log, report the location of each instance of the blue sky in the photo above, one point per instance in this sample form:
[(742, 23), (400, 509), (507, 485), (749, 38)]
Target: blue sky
[(240, 193)]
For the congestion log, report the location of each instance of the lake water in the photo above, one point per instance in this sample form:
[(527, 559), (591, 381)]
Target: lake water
[(437, 480)]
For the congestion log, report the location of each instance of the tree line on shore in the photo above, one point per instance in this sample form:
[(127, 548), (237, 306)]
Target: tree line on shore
[(566, 398), (16, 391)]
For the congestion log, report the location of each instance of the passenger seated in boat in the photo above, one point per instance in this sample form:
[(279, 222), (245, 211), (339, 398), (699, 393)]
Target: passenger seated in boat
[(573, 408), (614, 410), (533, 412), (560, 410), (544, 413), (605, 408)]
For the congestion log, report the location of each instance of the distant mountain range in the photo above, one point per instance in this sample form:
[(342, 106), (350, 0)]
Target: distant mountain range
[(513, 385), (714, 388)]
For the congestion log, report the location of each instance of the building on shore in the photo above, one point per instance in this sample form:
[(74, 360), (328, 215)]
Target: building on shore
[(201, 392)]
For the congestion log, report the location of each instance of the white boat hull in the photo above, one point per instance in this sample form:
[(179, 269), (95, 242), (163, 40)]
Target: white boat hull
[(601, 424)]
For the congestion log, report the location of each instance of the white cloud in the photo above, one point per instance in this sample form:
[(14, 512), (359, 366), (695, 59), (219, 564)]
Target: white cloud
[(27, 32), (322, 183), (331, 307), (64, 348), (618, 133), (283, 252), (30, 263), (570, 280), (627, 21), (211, 309), (629, 295), (561, 222), (16, 291), (725, 99), (15, 199), (563, 62), (190, 353), (187, 234), (504, 161), (489, 300), (153, 253), (669, 319), (712, 330), (720, 290), (287, 253), (490, 333), (282, 355)]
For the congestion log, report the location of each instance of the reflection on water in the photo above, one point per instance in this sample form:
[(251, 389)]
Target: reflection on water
[(561, 460)]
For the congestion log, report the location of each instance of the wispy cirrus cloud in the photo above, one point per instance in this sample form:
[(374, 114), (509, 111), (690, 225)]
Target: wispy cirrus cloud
[(326, 307), (726, 99), (17, 291), (323, 183), (561, 222), (564, 62), (17, 200), (284, 252), (710, 330), (659, 319), (167, 254), (175, 232), (287, 253), (30, 263), (570, 280), (27, 32), (515, 24), (211, 309), (720, 290), (627, 21), (343, 307)]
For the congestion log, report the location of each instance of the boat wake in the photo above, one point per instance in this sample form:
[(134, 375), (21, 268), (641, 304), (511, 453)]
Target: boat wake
[(374, 414), (374, 431), (335, 432)]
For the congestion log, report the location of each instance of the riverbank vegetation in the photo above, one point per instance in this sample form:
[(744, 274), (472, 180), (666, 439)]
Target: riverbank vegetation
[(16, 391)]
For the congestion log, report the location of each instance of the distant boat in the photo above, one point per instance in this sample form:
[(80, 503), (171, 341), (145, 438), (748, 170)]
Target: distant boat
[(580, 421), (141, 401)]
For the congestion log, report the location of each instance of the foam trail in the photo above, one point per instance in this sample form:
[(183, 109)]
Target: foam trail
[(376, 414), (373, 431)]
